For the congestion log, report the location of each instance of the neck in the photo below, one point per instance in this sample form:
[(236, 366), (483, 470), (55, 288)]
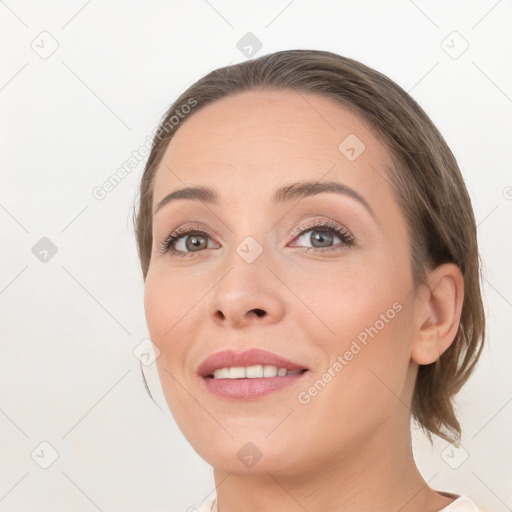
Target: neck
[(378, 474)]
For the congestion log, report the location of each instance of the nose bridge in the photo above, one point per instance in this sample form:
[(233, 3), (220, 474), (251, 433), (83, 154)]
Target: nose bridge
[(246, 292)]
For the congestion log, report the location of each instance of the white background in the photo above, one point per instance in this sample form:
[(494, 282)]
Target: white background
[(68, 326)]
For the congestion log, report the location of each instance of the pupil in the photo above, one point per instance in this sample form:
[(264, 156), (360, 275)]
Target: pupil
[(322, 237), (196, 242)]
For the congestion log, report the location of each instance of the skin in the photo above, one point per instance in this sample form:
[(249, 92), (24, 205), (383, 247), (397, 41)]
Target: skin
[(349, 448)]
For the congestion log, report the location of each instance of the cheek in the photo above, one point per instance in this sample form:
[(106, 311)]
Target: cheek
[(347, 300), (367, 374), (169, 317), (363, 319), (168, 296), (168, 311), (158, 302)]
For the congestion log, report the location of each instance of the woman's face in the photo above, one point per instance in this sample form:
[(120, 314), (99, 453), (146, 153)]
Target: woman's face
[(319, 278)]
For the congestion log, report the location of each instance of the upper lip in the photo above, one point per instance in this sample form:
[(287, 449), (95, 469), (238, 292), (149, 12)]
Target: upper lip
[(252, 357)]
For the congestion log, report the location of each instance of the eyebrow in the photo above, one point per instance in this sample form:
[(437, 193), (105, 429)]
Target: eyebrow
[(283, 194)]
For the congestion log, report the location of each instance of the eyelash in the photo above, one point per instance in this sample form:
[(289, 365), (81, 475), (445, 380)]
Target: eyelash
[(343, 234)]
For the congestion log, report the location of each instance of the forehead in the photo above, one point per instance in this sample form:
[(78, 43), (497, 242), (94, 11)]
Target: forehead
[(268, 138)]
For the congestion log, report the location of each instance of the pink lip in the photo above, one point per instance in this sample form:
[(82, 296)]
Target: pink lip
[(252, 357), (247, 389)]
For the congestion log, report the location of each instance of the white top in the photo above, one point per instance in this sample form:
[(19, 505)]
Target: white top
[(461, 504)]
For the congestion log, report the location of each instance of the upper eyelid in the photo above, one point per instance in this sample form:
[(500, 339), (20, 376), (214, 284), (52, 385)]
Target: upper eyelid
[(312, 223), (308, 218), (308, 224)]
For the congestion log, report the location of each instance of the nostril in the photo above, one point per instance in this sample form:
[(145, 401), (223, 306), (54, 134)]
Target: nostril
[(259, 312)]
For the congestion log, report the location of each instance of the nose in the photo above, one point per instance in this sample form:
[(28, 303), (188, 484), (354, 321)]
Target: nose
[(248, 294)]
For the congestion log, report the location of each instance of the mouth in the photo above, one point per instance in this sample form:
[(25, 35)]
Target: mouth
[(248, 375), (252, 372)]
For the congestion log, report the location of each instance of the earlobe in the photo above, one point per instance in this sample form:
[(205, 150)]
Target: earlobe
[(438, 315), (425, 350)]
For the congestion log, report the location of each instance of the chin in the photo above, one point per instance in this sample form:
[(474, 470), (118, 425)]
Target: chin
[(248, 451), (247, 458)]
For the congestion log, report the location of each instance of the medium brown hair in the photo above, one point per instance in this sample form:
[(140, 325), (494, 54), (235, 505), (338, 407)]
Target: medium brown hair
[(424, 177)]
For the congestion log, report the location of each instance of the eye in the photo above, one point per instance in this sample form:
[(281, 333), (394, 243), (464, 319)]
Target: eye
[(323, 235), (186, 242), (192, 242)]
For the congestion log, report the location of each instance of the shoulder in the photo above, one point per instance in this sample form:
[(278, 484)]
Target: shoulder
[(461, 504)]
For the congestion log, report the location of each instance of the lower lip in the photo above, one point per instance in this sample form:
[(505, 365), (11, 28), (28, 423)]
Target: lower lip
[(249, 389)]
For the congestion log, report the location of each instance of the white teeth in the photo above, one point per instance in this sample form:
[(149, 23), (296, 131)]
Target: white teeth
[(238, 372), (221, 373), (269, 371), (252, 372)]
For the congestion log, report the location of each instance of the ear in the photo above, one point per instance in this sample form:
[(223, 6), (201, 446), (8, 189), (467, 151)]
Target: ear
[(438, 313)]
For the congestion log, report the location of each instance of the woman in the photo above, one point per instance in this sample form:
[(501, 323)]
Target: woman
[(311, 274)]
